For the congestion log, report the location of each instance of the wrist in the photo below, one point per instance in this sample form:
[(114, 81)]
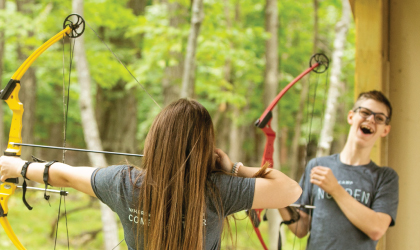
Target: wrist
[(20, 163), (235, 168), (337, 191), (24, 169), (227, 166)]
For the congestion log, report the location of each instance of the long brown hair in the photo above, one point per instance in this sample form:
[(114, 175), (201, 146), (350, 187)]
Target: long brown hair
[(178, 158)]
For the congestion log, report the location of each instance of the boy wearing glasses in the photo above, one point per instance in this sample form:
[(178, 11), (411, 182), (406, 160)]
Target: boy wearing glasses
[(356, 200)]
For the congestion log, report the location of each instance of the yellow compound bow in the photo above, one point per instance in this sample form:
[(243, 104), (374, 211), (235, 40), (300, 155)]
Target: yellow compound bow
[(73, 27)]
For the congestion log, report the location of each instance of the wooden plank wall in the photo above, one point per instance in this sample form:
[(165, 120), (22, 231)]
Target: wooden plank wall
[(388, 59), (372, 62), (404, 89), (372, 56)]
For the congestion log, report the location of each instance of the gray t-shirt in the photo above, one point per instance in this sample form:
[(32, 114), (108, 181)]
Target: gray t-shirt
[(373, 186), (113, 186)]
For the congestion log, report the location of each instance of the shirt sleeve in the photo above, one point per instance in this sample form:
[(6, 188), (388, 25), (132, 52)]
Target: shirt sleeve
[(106, 184), (237, 193), (386, 196)]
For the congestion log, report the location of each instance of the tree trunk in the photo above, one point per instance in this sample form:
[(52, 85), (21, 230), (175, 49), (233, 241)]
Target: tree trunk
[(2, 37), (295, 162), (334, 92), (118, 129), (235, 139), (270, 92), (91, 132), (316, 26), (172, 78), (283, 148), (222, 125), (271, 69), (197, 16), (116, 113), (138, 6), (341, 137), (55, 130), (28, 86)]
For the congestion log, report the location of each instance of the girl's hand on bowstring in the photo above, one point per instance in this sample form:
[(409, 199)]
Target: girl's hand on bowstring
[(10, 167), (222, 159)]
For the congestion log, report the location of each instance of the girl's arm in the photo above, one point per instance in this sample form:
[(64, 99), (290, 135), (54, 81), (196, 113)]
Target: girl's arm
[(59, 174), (275, 190)]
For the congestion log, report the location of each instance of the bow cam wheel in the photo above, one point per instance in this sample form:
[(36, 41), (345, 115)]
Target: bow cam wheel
[(76, 23), (322, 60)]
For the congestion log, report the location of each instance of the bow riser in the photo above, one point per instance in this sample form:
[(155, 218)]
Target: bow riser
[(269, 145), (15, 134), (6, 190)]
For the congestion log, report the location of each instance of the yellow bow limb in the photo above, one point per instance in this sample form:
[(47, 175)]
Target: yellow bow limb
[(28, 62), (6, 190), (11, 95)]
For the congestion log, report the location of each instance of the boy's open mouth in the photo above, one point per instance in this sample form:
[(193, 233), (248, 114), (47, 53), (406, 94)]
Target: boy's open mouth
[(366, 130)]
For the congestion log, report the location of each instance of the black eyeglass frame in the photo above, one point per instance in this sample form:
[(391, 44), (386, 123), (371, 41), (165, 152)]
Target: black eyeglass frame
[(386, 122)]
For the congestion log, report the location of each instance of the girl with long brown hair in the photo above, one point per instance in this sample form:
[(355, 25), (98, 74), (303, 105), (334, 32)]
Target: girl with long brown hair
[(185, 188)]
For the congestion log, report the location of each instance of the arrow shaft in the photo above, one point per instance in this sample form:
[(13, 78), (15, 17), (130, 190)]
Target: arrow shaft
[(74, 149)]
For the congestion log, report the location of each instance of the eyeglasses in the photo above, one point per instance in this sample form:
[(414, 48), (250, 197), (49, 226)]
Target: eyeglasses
[(380, 118)]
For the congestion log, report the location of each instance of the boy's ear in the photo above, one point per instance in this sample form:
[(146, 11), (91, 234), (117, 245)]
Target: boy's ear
[(350, 117), (386, 131)]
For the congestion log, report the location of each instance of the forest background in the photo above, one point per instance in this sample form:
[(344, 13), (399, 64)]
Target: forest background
[(233, 56)]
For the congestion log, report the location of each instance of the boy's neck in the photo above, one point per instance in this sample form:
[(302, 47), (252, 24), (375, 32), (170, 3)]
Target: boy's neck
[(353, 155)]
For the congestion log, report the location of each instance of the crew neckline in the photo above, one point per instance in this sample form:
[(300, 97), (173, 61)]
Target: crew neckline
[(347, 165)]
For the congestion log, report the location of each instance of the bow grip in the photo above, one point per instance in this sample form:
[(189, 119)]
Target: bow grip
[(11, 95), (6, 190), (264, 119), (7, 91), (13, 180)]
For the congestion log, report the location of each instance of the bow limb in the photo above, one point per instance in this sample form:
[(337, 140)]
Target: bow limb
[(9, 231), (319, 64), (267, 115), (10, 94), (6, 190)]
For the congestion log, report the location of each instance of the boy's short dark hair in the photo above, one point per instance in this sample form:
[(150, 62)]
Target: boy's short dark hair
[(377, 96)]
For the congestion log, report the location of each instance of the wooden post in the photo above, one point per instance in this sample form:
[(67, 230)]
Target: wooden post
[(372, 56), (372, 61)]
